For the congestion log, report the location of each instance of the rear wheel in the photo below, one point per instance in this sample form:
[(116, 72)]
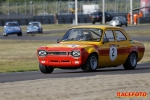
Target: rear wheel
[(45, 69), (131, 62), (91, 63), (120, 25), (19, 34)]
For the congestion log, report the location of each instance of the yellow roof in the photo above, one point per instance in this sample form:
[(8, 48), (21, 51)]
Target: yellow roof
[(97, 26)]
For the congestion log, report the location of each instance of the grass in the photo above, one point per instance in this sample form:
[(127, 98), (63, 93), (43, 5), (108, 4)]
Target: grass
[(47, 35), (138, 32), (19, 56)]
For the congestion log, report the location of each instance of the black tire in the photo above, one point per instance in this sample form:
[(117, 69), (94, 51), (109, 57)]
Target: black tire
[(19, 34), (131, 62), (87, 67), (126, 25), (120, 25), (5, 35), (45, 69)]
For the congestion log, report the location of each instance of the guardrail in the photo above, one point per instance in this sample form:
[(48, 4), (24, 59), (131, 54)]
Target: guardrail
[(144, 20)]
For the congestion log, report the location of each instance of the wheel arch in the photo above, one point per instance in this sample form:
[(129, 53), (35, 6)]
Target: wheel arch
[(131, 53), (95, 54), (135, 53)]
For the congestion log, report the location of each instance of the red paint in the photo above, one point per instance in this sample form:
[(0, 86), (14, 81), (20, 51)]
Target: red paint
[(60, 61)]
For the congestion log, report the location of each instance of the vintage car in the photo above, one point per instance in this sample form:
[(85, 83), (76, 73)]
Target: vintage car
[(34, 27), (118, 21), (89, 48), (12, 28), (97, 17)]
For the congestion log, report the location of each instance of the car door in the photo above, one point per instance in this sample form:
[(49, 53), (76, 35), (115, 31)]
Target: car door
[(122, 46), (108, 52)]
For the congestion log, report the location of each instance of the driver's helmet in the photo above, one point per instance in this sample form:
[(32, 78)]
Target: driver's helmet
[(80, 36)]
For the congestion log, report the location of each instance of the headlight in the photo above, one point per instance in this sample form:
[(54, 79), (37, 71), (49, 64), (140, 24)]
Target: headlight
[(75, 53), (42, 53)]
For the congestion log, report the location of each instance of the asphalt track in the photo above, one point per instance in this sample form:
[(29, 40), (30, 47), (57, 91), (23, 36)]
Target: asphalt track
[(33, 75), (53, 38), (22, 76)]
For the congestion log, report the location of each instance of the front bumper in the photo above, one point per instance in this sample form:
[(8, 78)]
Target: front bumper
[(13, 32), (114, 24), (32, 31), (61, 61)]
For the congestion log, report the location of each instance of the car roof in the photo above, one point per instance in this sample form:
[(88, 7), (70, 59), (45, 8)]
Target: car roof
[(119, 16), (34, 22), (98, 26)]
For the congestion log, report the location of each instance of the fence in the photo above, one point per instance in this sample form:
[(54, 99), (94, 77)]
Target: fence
[(63, 7), (49, 19)]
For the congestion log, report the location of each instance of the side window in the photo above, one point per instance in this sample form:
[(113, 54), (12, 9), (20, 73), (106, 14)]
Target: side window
[(109, 35), (120, 36)]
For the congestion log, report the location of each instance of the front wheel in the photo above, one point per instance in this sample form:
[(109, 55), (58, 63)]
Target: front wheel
[(45, 69), (91, 63), (4, 34), (131, 62)]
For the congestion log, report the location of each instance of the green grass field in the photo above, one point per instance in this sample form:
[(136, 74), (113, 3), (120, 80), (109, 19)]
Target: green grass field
[(19, 55)]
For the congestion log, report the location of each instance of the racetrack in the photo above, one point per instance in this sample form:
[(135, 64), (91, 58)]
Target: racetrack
[(100, 85), (75, 84), (54, 38), (22, 76)]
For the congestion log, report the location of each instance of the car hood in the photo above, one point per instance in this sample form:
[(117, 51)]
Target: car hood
[(32, 27), (13, 27), (114, 20), (68, 46)]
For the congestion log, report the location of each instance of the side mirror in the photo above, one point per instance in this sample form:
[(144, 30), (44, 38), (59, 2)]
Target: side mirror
[(105, 40), (58, 40)]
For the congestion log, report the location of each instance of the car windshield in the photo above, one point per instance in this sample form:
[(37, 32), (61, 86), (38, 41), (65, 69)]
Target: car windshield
[(115, 18), (12, 24), (94, 13), (83, 34), (34, 24)]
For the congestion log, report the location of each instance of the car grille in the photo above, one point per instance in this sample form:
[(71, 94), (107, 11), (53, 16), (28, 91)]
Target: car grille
[(58, 53)]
